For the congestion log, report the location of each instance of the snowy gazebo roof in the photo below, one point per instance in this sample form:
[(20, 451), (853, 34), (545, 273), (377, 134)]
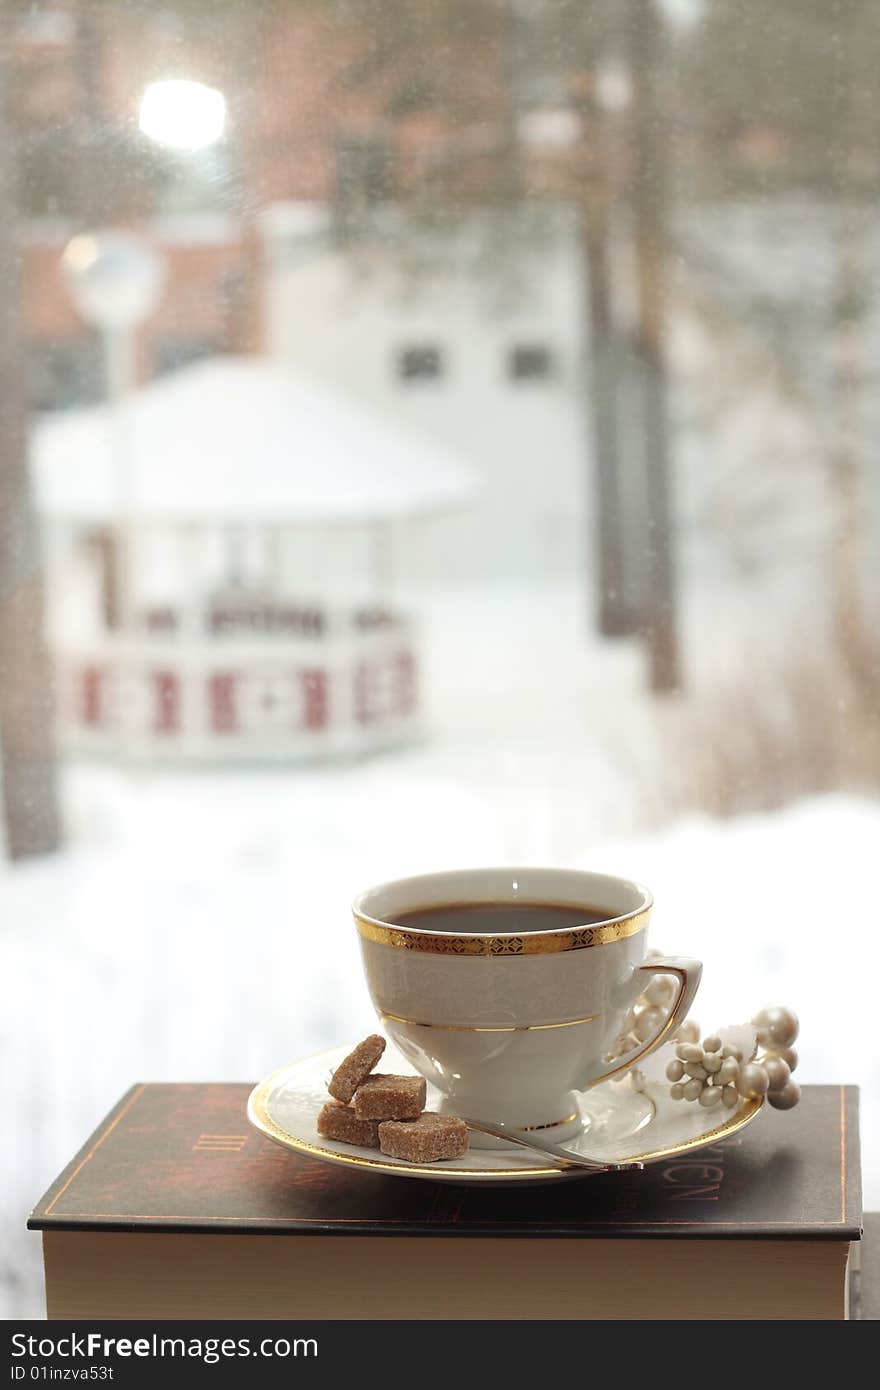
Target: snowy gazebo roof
[(241, 439)]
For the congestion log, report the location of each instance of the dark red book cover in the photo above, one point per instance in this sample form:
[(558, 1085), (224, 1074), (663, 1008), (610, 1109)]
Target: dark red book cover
[(184, 1157)]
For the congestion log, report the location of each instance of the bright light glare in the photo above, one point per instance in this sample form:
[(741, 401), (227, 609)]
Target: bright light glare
[(185, 115)]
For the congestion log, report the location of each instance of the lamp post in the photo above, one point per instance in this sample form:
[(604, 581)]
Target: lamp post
[(115, 280)]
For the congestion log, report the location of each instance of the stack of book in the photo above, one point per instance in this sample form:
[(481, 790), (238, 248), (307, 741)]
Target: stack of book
[(176, 1208)]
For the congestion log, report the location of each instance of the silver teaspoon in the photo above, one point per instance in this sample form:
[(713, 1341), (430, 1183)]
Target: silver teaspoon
[(563, 1158)]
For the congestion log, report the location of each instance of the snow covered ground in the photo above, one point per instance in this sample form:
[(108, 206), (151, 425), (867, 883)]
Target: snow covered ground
[(197, 926)]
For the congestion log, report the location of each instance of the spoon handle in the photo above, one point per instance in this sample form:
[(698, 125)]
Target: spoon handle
[(563, 1158)]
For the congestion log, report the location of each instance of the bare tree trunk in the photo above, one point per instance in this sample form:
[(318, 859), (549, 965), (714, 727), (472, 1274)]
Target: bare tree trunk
[(509, 166), (606, 544), (613, 614), (28, 774), (845, 451), (649, 221), (854, 214), (96, 197)]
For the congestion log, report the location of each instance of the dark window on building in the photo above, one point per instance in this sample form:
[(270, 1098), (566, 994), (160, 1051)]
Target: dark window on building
[(64, 374), (530, 362), (173, 352), (420, 362)]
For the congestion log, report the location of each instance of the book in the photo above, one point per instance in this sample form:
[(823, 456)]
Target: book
[(177, 1208)]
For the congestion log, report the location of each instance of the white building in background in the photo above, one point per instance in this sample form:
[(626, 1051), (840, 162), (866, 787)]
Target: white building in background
[(475, 338)]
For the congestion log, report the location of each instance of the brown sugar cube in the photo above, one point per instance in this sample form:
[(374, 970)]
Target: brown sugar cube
[(390, 1097), (338, 1121), (424, 1140), (353, 1069)]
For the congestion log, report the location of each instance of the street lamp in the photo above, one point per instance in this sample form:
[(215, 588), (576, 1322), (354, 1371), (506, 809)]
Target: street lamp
[(115, 280)]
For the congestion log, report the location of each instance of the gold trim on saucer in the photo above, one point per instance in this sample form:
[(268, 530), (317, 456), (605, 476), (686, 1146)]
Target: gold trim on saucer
[(497, 1028), (539, 943), (258, 1115)]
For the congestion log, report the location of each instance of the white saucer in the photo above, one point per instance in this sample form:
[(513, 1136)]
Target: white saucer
[(285, 1108)]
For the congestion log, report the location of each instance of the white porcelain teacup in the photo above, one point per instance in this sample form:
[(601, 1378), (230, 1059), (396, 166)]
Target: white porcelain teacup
[(510, 1027)]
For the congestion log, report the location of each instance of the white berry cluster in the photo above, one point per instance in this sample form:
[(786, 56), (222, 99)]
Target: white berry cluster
[(727, 1066), (709, 1074), (777, 1030)]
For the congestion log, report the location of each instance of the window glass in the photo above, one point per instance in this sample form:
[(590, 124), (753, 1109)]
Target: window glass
[(530, 362), (420, 363), (433, 435)]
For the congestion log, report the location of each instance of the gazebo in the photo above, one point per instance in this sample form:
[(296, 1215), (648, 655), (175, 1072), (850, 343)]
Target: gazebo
[(221, 560)]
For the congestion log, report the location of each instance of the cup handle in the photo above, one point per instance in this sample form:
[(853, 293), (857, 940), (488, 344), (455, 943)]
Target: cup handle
[(688, 973)]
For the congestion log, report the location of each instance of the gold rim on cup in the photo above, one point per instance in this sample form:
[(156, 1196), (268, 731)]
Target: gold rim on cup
[(540, 943)]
